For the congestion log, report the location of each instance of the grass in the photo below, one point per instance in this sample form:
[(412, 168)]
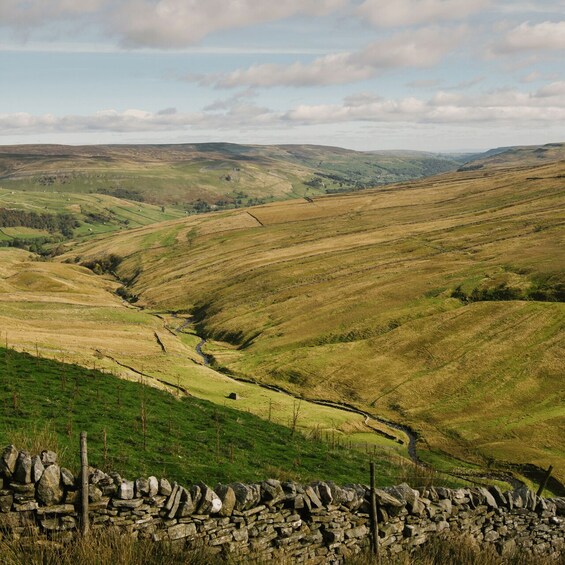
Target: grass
[(350, 298), (45, 404), (458, 550), (110, 547)]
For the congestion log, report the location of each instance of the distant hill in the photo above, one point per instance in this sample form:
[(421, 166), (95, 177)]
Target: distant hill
[(200, 177), (526, 156)]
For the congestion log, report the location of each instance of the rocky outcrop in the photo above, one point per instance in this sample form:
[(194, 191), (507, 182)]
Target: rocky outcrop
[(316, 523)]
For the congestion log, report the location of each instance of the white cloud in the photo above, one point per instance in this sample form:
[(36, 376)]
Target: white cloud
[(555, 89), (511, 108), (544, 36), (156, 23), (394, 13), (545, 106), (420, 48)]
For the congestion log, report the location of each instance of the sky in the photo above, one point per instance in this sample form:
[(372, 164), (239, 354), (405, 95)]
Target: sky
[(430, 75)]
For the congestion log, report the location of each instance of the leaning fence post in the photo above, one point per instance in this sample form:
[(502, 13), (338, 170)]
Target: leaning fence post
[(84, 483), (545, 480), (373, 516)]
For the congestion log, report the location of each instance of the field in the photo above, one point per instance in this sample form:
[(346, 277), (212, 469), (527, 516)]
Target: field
[(435, 303)]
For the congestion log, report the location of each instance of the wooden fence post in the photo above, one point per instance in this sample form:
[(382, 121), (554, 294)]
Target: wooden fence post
[(545, 480), (374, 516), (84, 483)]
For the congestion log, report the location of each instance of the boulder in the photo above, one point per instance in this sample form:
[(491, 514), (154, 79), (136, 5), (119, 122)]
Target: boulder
[(49, 490), (338, 496), (210, 502), (153, 486), (325, 493), (37, 469), (227, 497), (271, 492), (126, 490), (94, 493), (559, 505), (409, 496), (67, 477), (186, 506), (173, 502), (243, 496), (165, 488), (141, 488), (498, 495), (98, 477), (8, 461), (488, 497), (22, 474), (48, 458), (387, 500), (289, 490), (313, 496)]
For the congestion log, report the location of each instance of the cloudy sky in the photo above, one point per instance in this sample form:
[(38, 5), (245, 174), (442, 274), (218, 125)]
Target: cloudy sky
[(439, 75)]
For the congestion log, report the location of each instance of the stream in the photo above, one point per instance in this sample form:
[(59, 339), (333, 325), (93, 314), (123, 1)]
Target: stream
[(409, 432)]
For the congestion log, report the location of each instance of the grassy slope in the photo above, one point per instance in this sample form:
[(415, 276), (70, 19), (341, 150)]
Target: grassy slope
[(169, 174), (526, 156), (45, 404), (65, 312), (348, 297), (111, 214)]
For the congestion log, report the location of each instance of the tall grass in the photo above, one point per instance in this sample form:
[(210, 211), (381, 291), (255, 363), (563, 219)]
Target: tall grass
[(101, 548), (457, 550)]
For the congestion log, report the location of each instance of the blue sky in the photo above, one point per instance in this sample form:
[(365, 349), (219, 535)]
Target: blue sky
[(438, 75)]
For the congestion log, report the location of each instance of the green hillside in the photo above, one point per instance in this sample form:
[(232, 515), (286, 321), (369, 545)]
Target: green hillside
[(46, 404), (200, 177), (438, 303)]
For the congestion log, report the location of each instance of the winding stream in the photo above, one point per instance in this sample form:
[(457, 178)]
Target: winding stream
[(409, 432)]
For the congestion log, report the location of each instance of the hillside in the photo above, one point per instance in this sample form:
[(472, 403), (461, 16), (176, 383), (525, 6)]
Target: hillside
[(528, 156), (196, 177), (86, 215), (437, 303), (66, 313), (46, 404)]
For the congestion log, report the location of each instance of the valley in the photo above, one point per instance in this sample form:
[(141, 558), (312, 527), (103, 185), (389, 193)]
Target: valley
[(435, 304)]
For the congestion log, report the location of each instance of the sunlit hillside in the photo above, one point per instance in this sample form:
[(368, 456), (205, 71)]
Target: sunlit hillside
[(198, 177), (437, 303)]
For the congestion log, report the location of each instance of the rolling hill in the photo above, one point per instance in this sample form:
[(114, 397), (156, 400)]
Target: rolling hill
[(198, 176), (437, 303)]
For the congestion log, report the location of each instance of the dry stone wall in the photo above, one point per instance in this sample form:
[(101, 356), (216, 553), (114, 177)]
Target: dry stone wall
[(316, 523)]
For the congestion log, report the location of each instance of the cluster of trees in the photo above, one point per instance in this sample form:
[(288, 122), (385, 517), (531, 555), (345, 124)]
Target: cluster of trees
[(240, 199), (545, 289), (125, 193), (63, 223), (36, 245), (101, 265)]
